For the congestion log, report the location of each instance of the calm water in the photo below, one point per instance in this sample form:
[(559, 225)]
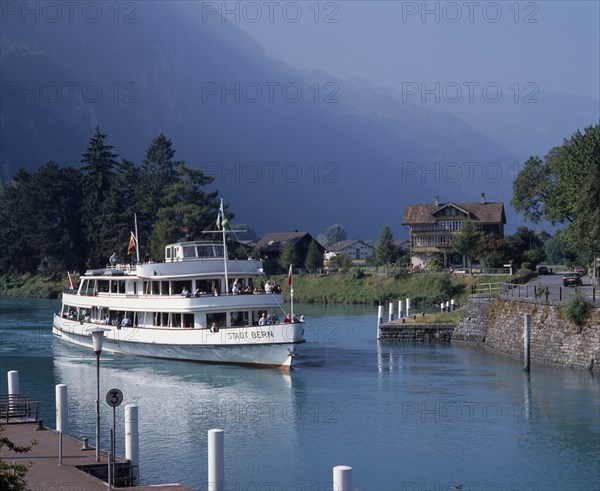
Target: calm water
[(405, 417)]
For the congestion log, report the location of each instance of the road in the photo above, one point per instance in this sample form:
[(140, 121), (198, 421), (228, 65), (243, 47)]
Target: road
[(557, 291)]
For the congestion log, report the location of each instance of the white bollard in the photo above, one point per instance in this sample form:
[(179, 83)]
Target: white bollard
[(399, 309), (132, 440), (342, 478), (448, 306), (442, 307), (62, 416), (216, 460), (391, 312), (452, 305), (379, 315), (408, 307), (13, 383)]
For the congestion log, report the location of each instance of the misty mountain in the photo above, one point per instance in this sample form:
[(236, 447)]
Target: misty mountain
[(289, 149)]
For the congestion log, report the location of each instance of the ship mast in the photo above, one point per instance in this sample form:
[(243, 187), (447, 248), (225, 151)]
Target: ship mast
[(221, 224)]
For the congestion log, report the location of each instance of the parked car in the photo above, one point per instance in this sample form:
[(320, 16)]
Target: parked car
[(543, 270), (580, 270), (572, 279)]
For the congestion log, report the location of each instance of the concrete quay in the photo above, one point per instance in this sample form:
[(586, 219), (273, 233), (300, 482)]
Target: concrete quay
[(44, 473)]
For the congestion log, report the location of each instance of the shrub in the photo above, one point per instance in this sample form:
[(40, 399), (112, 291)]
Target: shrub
[(577, 309)]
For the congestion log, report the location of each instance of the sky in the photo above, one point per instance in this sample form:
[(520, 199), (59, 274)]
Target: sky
[(552, 44)]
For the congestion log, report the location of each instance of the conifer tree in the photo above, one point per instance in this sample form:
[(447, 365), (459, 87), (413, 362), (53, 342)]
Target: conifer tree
[(386, 251), (314, 259), (99, 200)]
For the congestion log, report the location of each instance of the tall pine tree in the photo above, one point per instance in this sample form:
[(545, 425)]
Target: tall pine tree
[(100, 208)]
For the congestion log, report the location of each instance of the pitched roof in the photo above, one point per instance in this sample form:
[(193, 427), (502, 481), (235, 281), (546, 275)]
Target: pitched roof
[(342, 244), (274, 242), (478, 212)]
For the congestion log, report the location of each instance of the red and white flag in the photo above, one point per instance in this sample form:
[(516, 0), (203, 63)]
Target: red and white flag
[(290, 276)]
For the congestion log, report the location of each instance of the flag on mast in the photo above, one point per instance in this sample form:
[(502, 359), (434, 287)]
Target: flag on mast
[(222, 222), (290, 276), (131, 246), (70, 281)]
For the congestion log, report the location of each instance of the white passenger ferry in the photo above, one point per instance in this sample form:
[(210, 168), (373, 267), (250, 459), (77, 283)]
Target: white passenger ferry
[(196, 305)]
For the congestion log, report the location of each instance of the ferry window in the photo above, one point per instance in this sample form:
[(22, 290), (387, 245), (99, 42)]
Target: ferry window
[(103, 286), (203, 251), (238, 319), (188, 320), (218, 250), (113, 286), (155, 288), (164, 288), (178, 287), (189, 251), (216, 317), (168, 253), (121, 286)]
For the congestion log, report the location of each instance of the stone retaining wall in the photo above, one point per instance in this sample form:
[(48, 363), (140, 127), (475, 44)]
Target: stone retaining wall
[(473, 324), (416, 333), (553, 339), (497, 324)]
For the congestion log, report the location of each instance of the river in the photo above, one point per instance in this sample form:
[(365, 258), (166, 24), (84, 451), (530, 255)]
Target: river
[(404, 417)]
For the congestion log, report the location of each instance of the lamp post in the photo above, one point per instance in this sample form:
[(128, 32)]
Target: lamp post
[(97, 339)]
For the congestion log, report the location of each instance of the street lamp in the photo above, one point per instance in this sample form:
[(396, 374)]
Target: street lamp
[(97, 339)]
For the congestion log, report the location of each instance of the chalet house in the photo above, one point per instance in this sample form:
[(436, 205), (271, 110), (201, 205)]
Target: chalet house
[(432, 227), (356, 249), (270, 246)]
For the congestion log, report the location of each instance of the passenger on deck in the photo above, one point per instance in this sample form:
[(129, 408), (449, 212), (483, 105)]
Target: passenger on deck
[(126, 322), (185, 292), (286, 319), (263, 320)]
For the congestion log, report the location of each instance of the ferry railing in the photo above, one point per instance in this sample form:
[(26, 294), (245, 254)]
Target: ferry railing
[(18, 407)]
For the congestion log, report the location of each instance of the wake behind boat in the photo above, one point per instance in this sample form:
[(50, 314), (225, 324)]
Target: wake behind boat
[(196, 305)]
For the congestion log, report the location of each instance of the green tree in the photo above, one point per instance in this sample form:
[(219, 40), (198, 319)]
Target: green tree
[(100, 213), (386, 251), (158, 170), (341, 262), (525, 245), (555, 249), (287, 256), (334, 233), (186, 209), (466, 240), (565, 188), (314, 258)]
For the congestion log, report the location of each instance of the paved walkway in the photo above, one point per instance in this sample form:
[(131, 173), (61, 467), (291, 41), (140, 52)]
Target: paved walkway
[(44, 472)]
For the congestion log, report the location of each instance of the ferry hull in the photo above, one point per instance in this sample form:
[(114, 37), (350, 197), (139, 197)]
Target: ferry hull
[(269, 346)]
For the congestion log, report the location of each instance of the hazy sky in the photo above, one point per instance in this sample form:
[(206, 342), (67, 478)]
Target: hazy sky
[(552, 44)]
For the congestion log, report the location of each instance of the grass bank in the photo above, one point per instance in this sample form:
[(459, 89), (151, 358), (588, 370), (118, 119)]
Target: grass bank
[(423, 288)]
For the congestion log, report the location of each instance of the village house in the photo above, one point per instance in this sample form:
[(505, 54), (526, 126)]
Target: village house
[(432, 227), (271, 245), (356, 249)]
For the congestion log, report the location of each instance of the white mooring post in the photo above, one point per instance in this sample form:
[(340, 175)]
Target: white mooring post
[(216, 460), (13, 383), (379, 318), (526, 341), (452, 305), (442, 306), (132, 440), (447, 305), (408, 307), (62, 416), (342, 478), (391, 312), (399, 309)]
